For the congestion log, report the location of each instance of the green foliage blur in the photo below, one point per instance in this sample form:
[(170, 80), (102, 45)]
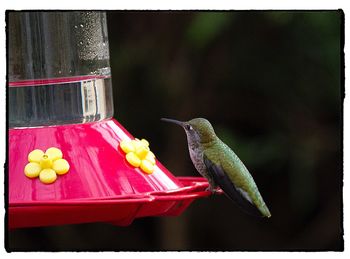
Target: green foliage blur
[(270, 82)]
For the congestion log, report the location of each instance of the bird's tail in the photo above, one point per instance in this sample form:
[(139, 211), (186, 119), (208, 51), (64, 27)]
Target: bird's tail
[(265, 210)]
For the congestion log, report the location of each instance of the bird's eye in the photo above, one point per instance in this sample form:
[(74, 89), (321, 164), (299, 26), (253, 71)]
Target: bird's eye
[(189, 127)]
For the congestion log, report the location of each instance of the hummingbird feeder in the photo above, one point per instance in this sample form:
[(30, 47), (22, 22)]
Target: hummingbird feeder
[(69, 161)]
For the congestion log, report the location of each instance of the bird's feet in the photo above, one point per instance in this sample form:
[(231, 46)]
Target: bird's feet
[(211, 189)]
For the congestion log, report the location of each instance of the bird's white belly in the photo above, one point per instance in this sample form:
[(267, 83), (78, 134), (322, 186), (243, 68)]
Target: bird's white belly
[(197, 160)]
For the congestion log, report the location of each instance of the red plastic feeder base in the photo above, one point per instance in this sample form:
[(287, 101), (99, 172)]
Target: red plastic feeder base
[(100, 185)]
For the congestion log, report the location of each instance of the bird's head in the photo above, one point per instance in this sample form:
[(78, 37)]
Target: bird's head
[(199, 130)]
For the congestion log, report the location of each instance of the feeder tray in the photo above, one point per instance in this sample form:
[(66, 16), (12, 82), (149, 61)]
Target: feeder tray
[(100, 186)]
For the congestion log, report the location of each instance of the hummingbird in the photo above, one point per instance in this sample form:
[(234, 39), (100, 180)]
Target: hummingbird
[(216, 161)]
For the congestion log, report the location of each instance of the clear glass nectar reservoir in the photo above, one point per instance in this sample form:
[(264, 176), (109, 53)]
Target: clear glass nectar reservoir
[(59, 69)]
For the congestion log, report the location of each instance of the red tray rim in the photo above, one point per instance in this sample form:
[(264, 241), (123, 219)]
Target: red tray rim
[(194, 187)]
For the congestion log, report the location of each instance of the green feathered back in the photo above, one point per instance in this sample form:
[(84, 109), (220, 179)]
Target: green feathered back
[(222, 155)]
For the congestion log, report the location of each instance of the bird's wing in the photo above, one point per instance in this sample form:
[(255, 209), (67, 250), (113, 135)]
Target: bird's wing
[(236, 194)]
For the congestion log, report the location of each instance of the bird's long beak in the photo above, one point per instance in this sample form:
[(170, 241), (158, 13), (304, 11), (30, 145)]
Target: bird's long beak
[(173, 121)]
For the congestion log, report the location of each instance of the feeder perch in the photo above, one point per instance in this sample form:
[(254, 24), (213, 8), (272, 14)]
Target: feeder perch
[(60, 95)]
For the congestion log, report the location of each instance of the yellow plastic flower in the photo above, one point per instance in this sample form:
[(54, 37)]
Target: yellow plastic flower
[(138, 154), (46, 165)]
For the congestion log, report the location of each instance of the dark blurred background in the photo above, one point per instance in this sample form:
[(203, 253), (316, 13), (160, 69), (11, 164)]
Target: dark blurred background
[(271, 84)]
